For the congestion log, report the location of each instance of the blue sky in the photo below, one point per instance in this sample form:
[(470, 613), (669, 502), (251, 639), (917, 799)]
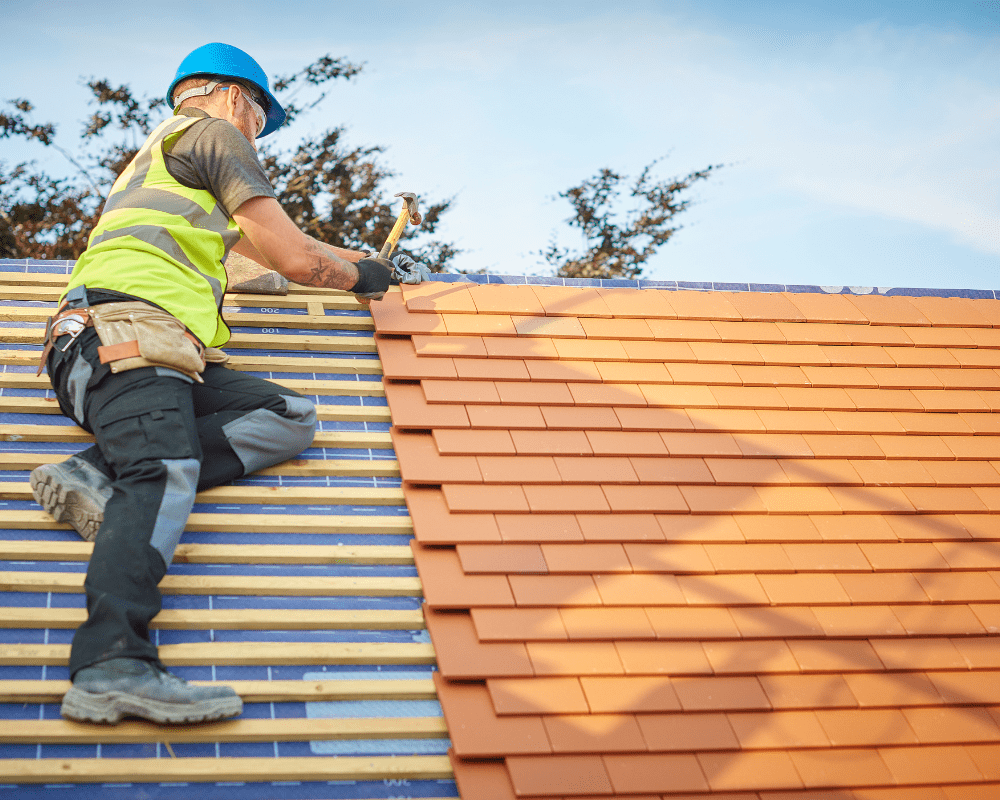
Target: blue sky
[(861, 140)]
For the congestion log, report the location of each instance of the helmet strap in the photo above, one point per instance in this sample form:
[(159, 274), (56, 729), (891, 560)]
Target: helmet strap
[(197, 91)]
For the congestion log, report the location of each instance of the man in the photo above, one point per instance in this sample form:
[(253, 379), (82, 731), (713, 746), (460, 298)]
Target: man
[(131, 355)]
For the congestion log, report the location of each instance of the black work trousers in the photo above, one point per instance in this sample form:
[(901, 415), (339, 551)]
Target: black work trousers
[(160, 438)]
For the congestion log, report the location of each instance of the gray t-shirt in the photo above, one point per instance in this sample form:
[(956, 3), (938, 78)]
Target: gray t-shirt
[(214, 155)]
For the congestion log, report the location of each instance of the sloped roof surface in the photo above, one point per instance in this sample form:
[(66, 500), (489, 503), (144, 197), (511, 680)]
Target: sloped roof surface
[(705, 544), (295, 585)]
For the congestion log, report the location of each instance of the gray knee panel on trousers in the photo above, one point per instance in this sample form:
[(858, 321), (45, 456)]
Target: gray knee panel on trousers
[(178, 498), (263, 438), (76, 385)]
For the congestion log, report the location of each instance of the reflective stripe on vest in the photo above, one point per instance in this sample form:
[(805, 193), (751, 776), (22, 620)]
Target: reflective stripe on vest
[(162, 241)]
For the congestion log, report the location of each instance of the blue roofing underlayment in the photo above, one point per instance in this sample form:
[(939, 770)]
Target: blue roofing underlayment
[(300, 710)]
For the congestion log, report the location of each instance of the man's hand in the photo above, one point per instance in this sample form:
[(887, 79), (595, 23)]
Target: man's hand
[(374, 277), (406, 270)]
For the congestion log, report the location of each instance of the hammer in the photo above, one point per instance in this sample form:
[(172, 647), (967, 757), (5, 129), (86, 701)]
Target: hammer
[(408, 214)]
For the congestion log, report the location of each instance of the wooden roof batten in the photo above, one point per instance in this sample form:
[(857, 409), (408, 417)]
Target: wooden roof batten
[(704, 544)]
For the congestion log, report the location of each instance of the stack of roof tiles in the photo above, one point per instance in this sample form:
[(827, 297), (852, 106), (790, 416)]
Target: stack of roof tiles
[(688, 544)]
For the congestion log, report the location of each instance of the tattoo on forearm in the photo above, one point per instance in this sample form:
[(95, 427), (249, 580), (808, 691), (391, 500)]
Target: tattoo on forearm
[(330, 271)]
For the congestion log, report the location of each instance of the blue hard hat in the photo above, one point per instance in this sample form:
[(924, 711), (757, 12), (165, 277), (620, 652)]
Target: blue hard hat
[(227, 61)]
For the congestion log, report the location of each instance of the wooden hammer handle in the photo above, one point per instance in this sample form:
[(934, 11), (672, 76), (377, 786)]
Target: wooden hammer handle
[(395, 233)]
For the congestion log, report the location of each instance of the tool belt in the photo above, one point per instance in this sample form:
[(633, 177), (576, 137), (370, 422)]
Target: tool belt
[(133, 335)]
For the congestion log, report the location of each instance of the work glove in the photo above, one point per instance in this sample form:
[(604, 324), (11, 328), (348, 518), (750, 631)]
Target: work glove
[(406, 270), (374, 277)]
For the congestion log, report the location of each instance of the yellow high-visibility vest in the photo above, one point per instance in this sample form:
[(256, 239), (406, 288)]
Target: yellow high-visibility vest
[(161, 241)]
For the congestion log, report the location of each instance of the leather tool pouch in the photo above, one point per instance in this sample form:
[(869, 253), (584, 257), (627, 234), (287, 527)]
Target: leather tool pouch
[(135, 334)]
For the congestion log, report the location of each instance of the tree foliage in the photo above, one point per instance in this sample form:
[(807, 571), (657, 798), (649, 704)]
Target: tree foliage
[(619, 241), (332, 190)]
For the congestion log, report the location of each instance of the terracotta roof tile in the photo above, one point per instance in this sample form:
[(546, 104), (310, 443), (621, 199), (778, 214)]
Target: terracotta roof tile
[(460, 654), (952, 725), (943, 764), (722, 590), (533, 528), (440, 297), (558, 774), (817, 307), (488, 369), (835, 656), (409, 409), (750, 770), (825, 472), (703, 305), (671, 470), (748, 558), (944, 620), (476, 731), (555, 590), (551, 442), (447, 586), (580, 418), (606, 623), (646, 589), (836, 378), (780, 729), (641, 304), (845, 767), (519, 347), (438, 391), (537, 696), (585, 733), (686, 732), (552, 327), (787, 445), (574, 658), (784, 528), (423, 463), (482, 778), (899, 587), (922, 447), (855, 621), (683, 330), (677, 397), (649, 498), (461, 498), (639, 351), (888, 310), (400, 361), (721, 694), (619, 527), (633, 372), (437, 525), (518, 469), (505, 417), (928, 527), (485, 325), (518, 624), (922, 654), (586, 558), (654, 772), (448, 346), (663, 658), (764, 332), (466, 442), (692, 623), (770, 622), (391, 316), (646, 694), (807, 691), (562, 371), (565, 498), (623, 329), (492, 558), (607, 394), (716, 528), (874, 689)]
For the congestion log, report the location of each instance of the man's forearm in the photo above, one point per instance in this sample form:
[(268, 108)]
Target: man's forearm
[(328, 266)]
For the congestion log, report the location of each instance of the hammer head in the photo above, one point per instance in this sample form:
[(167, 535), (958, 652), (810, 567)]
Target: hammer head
[(411, 205)]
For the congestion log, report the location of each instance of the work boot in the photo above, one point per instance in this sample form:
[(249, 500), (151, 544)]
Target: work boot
[(74, 491), (119, 687)]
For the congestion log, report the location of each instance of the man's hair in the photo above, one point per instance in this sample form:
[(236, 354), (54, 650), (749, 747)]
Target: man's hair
[(199, 101)]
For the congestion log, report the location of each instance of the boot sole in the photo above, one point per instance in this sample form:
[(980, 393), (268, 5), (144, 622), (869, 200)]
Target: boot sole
[(111, 707), (66, 504)]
